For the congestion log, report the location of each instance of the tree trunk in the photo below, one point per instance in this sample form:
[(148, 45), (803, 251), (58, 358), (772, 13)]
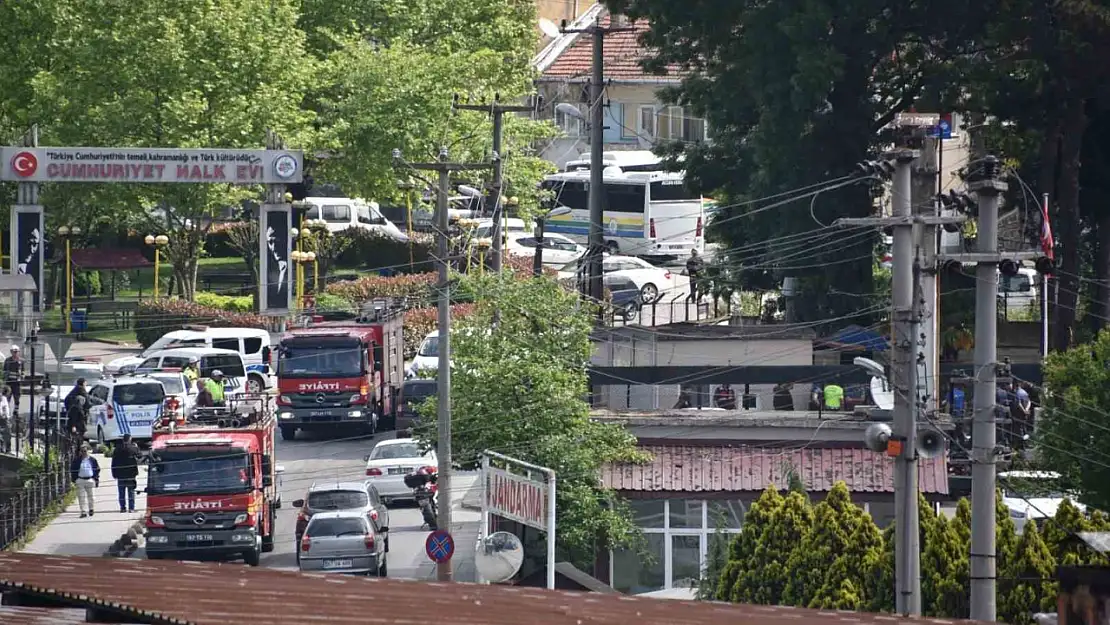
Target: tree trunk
[(1100, 301), (1072, 129)]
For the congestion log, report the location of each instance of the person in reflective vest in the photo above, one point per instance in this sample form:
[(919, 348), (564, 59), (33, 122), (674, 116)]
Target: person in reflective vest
[(191, 373), (215, 386), (834, 396)]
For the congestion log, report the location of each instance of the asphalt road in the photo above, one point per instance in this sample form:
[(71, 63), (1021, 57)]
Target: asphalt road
[(313, 458)]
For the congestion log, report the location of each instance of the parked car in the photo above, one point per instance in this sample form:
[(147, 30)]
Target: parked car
[(124, 405), (176, 386), (389, 463), (625, 295), (343, 541), (427, 356), (413, 393), (509, 226), (332, 496), (1033, 496), (652, 281), (224, 360), (341, 213), (557, 249), (252, 343)]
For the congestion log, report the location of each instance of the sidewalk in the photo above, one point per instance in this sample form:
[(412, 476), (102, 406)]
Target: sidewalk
[(70, 535)]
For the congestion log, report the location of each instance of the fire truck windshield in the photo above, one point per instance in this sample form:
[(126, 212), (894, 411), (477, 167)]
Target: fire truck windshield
[(223, 471), (322, 359)]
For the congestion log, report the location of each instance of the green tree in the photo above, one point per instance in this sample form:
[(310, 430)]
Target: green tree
[(188, 74), (882, 579), (1069, 428), (1024, 580), (716, 559), (733, 584), (767, 573), (944, 569), (517, 388)]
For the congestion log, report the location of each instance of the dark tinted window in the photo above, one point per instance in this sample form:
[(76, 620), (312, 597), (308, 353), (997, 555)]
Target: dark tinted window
[(620, 284), (396, 452), (671, 190), (230, 365), (142, 394), (530, 242), (251, 346), (337, 499), (625, 198), (171, 362), (336, 527), (418, 390), (232, 344), (572, 195)]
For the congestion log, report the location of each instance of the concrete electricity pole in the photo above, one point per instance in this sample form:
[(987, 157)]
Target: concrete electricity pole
[(497, 111), (923, 192), (443, 375), (593, 288)]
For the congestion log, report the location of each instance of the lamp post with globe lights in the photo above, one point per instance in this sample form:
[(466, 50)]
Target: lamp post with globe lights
[(67, 233), (157, 242)]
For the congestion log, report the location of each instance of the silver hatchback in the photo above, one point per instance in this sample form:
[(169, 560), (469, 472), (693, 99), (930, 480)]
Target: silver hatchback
[(344, 541)]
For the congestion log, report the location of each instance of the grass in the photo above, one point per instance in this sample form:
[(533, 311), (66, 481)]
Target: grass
[(49, 513)]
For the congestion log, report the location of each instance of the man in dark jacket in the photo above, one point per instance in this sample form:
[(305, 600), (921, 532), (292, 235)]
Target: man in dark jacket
[(75, 419), (79, 390), (125, 468), (85, 473)]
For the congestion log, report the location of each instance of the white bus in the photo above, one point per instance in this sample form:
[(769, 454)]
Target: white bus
[(650, 214)]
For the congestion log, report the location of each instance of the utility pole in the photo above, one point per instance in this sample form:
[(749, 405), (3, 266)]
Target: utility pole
[(983, 569), (906, 288), (592, 287), (924, 197), (497, 111), (443, 375)]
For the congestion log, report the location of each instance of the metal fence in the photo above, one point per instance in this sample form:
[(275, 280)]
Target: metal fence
[(25, 508), (667, 310)]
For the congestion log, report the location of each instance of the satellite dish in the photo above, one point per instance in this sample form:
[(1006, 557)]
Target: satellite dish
[(499, 557), (549, 28), (881, 394)]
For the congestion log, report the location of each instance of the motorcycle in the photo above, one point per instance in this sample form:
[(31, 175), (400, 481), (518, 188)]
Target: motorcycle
[(423, 485)]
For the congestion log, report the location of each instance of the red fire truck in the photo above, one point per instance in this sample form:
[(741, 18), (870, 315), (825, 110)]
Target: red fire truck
[(212, 489), (342, 375)]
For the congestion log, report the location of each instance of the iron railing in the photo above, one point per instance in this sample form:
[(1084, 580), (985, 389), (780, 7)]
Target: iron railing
[(22, 511)]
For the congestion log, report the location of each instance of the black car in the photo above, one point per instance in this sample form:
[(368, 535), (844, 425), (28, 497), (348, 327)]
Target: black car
[(413, 393), (625, 296)]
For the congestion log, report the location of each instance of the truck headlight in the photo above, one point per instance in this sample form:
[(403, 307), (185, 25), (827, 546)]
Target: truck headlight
[(158, 539), (240, 519), (286, 415), (354, 414)]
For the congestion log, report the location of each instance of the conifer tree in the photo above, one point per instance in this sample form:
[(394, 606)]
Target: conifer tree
[(1024, 582), (732, 585), (769, 572), (812, 582)]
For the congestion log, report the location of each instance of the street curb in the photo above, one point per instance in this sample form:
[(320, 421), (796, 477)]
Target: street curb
[(472, 500), (127, 543), (112, 342)]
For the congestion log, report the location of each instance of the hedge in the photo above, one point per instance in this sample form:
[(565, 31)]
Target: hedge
[(417, 287), (421, 321), (230, 303), (370, 250), (830, 555)]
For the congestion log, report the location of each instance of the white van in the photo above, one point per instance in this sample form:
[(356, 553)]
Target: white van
[(1018, 292), (125, 405), (228, 362), (252, 343), (341, 213), (484, 229)]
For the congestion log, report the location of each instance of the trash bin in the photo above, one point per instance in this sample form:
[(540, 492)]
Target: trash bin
[(79, 320)]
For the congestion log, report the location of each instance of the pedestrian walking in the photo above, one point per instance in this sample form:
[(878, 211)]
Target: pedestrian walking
[(13, 377), (125, 468), (5, 421), (694, 266), (84, 471), (76, 420)]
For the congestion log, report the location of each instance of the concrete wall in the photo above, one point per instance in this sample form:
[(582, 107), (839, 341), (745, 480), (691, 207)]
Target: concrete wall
[(697, 351)]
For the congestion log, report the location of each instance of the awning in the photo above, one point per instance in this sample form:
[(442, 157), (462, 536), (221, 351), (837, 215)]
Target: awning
[(110, 259), (752, 469)]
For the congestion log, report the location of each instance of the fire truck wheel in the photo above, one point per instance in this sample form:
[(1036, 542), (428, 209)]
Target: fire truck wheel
[(254, 556), (267, 543), (384, 571), (288, 432)]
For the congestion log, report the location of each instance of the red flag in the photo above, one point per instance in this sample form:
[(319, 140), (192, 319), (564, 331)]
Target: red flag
[(1046, 230)]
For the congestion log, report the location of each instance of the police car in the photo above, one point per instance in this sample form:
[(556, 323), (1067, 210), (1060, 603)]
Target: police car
[(124, 405)]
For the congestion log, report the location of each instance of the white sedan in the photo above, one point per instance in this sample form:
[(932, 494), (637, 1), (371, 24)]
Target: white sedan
[(389, 463), (653, 282), (557, 249)]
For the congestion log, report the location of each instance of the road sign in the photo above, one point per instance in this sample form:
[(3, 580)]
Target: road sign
[(59, 345), (440, 546), (916, 119), (943, 129)]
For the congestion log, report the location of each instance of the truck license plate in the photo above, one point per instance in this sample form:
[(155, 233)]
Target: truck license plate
[(198, 538), (320, 413), (338, 564)]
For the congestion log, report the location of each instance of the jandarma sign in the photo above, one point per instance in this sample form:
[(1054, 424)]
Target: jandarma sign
[(151, 165)]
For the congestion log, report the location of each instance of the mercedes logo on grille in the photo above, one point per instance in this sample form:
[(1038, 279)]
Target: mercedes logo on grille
[(199, 518), (320, 398)]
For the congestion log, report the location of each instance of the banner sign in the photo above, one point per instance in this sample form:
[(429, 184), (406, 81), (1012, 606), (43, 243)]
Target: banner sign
[(275, 249), (151, 165), (27, 241), (516, 498)]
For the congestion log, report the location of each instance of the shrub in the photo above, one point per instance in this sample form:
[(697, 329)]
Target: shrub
[(371, 250), (416, 287), (218, 243), (230, 303), (87, 283), (334, 306), (156, 317), (420, 321)]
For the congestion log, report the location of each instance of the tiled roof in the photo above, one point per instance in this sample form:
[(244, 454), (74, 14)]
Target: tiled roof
[(751, 469), (623, 54), (194, 593)]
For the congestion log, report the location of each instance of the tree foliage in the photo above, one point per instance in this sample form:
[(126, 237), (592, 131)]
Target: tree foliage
[(518, 388)]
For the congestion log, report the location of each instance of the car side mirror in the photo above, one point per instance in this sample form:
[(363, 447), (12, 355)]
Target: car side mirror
[(298, 503), (279, 469), (383, 529), (366, 458)]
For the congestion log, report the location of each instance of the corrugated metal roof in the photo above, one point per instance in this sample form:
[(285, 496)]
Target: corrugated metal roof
[(223, 594), (623, 54), (14, 615), (752, 469)]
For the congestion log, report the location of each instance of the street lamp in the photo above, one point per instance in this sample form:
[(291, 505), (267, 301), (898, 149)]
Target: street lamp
[(67, 233), (537, 260), (157, 242)]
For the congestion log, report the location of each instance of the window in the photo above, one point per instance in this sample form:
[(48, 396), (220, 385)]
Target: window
[(686, 513), (625, 198), (675, 125), (337, 213), (397, 451), (230, 365), (98, 395), (646, 123), (648, 513), (572, 195), (174, 384), (671, 190), (189, 343), (569, 124), (369, 216), (252, 345), (231, 343), (685, 561), (139, 394), (337, 500), (150, 363), (531, 242), (635, 574), (344, 526), (172, 362), (1019, 283)]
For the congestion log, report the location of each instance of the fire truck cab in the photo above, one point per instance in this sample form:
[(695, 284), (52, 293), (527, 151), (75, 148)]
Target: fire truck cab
[(343, 375)]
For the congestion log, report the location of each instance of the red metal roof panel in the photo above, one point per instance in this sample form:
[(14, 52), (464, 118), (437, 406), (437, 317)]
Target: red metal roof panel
[(192, 593), (753, 469)]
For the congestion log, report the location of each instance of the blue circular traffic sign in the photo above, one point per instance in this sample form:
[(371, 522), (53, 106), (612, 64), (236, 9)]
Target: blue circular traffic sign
[(440, 546)]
